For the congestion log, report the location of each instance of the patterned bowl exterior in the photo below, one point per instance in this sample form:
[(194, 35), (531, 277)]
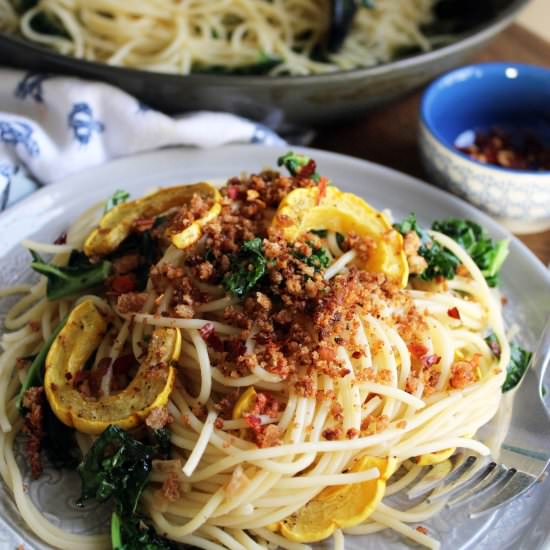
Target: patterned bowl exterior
[(520, 201)]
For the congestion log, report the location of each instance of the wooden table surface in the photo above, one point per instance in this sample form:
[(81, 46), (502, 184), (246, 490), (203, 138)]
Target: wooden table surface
[(389, 135)]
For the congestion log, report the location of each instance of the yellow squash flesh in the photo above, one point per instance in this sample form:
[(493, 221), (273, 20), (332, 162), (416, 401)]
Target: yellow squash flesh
[(341, 506), (302, 211), (117, 224), (431, 459), (244, 403), (150, 388)]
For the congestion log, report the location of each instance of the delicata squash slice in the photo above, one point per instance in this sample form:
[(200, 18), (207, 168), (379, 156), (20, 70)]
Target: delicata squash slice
[(150, 388), (306, 209), (116, 224), (341, 506)]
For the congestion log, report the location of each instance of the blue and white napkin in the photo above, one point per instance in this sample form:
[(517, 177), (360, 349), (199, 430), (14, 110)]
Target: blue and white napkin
[(51, 127)]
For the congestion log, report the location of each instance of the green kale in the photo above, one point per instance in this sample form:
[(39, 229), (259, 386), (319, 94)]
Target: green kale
[(299, 165), (248, 266), (441, 262), (78, 275), (519, 362), (116, 466), (132, 533), (263, 66), (409, 224), (35, 374), (486, 253), (319, 258), (161, 442), (119, 196)]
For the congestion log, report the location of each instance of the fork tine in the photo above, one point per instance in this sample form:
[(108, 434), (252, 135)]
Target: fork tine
[(475, 467), (493, 475), (516, 485)]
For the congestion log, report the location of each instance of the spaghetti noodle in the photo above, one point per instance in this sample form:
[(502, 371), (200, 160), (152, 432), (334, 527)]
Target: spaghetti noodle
[(321, 376), (189, 36)]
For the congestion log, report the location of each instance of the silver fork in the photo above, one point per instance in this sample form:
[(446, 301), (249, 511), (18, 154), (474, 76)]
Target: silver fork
[(525, 452)]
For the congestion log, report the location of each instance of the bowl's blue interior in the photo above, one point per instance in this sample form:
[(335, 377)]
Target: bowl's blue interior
[(484, 96)]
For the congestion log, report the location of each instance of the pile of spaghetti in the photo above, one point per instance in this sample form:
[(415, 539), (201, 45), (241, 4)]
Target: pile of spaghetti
[(275, 37), (249, 366)]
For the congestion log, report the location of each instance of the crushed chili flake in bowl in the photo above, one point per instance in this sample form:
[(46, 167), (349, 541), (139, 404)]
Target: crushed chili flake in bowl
[(516, 149)]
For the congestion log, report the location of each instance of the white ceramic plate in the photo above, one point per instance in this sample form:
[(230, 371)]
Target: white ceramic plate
[(526, 282)]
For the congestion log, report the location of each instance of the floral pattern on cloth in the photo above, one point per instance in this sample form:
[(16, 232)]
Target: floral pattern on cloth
[(51, 127)]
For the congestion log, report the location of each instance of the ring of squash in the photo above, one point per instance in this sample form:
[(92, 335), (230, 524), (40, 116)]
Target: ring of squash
[(118, 222), (305, 209), (150, 388)]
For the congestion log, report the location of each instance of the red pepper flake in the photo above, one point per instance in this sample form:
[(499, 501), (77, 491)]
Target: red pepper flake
[(494, 346), (323, 184), (253, 421), (62, 239), (519, 149), (454, 313), (233, 192), (417, 350), (422, 530), (121, 284), (429, 360), (308, 170), (208, 334)]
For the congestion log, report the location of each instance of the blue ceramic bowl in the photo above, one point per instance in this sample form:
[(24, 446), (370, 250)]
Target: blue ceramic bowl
[(485, 96)]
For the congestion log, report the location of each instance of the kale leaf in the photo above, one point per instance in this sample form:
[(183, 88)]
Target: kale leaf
[(441, 262), (519, 362), (78, 275), (35, 374), (161, 442), (299, 165), (318, 259), (116, 466), (118, 197), (132, 533), (263, 66), (486, 253), (248, 266)]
